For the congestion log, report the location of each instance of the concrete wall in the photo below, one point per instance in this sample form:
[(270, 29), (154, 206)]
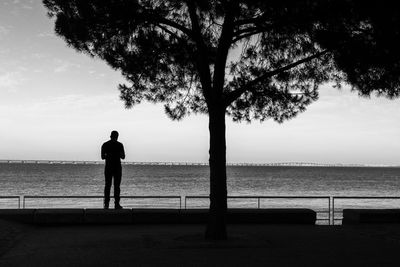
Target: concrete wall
[(156, 216), (357, 216)]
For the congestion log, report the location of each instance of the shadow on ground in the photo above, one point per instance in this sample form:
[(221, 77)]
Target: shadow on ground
[(184, 245)]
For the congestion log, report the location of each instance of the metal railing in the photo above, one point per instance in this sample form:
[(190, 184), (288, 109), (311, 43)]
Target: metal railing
[(23, 200), (13, 197), (331, 202), (358, 198), (259, 198), (100, 197)]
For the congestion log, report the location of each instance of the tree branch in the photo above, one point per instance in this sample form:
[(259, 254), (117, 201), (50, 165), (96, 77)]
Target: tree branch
[(224, 44), (245, 30), (249, 32), (175, 25), (232, 96), (253, 20), (202, 59), (171, 33)]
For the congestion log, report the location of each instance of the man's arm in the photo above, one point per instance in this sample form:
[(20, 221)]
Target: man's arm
[(122, 152), (103, 152)]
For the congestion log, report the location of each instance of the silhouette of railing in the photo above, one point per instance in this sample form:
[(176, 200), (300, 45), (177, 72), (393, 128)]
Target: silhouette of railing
[(23, 199), (259, 198), (356, 198), (331, 210)]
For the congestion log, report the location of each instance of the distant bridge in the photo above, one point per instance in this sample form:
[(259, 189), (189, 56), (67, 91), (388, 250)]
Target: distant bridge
[(93, 162), (50, 162), (173, 163)]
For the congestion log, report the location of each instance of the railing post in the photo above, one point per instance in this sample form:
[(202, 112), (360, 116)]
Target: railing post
[(329, 210), (333, 210), (258, 202)]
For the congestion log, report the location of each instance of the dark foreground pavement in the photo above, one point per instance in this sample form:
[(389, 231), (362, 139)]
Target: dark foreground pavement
[(183, 245)]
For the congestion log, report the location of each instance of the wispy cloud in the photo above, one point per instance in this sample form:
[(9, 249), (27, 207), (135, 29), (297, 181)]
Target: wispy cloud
[(64, 66), (10, 80), (46, 35), (4, 31), (17, 7), (27, 4), (38, 55), (62, 105)]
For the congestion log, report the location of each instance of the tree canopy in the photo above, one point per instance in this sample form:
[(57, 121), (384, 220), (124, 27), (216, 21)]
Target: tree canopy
[(170, 51)]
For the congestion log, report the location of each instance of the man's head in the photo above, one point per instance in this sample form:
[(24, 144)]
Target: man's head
[(114, 135)]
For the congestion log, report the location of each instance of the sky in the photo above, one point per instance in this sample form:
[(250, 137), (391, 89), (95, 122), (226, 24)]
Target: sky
[(58, 104)]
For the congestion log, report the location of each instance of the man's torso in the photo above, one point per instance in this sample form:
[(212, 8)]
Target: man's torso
[(112, 151)]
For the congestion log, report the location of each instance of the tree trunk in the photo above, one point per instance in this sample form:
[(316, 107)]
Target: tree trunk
[(216, 227)]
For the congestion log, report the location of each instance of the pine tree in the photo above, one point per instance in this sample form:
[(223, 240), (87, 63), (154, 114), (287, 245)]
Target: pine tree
[(250, 60)]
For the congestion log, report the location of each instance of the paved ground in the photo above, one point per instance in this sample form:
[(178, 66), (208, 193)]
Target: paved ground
[(177, 245)]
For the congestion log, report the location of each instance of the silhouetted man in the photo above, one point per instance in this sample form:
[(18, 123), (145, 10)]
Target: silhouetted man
[(112, 151)]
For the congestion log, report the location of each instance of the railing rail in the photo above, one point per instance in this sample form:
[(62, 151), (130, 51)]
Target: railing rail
[(100, 197)]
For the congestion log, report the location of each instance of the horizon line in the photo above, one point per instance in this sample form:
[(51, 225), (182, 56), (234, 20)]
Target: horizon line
[(183, 163)]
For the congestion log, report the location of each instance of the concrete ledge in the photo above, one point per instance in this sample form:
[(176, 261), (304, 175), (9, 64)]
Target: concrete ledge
[(111, 216), (357, 216), (194, 216), (272, 216), (17, 215), (156, 216), (58, 216)]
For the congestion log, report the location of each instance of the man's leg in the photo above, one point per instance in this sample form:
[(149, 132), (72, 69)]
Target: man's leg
[(117, 190), (107, 187)]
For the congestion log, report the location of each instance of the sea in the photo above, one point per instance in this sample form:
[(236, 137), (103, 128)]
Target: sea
[(32, 185)]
